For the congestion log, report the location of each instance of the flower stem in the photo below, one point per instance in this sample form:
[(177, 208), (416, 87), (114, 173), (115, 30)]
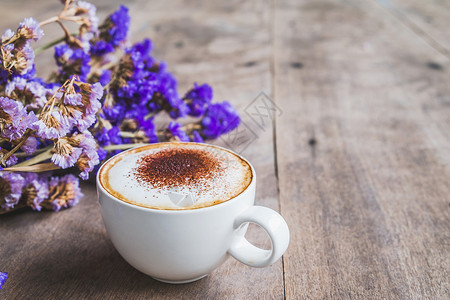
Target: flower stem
[(35, 168), (37, 159), (151, 115), (23, 154), (24, 139), (49, 20), (49, 45), (126, 134), (193, 126)]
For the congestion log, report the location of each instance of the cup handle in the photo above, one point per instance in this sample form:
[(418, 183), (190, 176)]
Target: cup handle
[(275, 226)]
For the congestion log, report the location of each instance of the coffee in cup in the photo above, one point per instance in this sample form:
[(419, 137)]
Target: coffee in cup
[(176, 211), (174, 177)]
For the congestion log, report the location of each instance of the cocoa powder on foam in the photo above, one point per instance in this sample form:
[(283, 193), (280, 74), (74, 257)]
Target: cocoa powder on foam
[(105, 180), (174, 167)]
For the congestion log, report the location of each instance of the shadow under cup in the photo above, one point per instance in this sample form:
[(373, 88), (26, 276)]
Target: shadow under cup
[(180, 246)]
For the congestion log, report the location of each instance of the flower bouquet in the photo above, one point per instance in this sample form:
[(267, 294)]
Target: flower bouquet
[(102, 98)]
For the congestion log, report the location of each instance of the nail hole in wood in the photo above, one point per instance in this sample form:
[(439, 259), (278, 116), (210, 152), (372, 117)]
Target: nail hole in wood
[(296, 65), (434, 66), (250, 63)]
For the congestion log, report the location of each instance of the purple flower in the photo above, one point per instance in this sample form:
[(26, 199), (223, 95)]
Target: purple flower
[(90, 95), (85, 122), (148, 126), (107, 137), (113, 32), (105, 77), (197, 137), (53, 187), (35, 191), (65, 155), (15, 118), (11, 185), (51, 126), (219, 119), (8, 34), (72, 181), (30, 145), (3, 277), (64, 192), (138, 84), (73, 99), (121, 20), (17, 55), (91, 11), (198, 99), (11, 161), (102, 153), (96, 93), (92, 159), (101, 47), (115, 113), (4, 76), (102, 137), (72, 62), (89, 157), (31, 92), (28, 54), (167, 91), (147, 87), (177, 132), (30, 29)]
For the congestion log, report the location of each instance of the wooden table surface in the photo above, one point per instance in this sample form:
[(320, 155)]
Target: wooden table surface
[(355, 152)]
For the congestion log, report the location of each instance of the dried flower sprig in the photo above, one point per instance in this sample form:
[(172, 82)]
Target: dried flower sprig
[(104, 97)]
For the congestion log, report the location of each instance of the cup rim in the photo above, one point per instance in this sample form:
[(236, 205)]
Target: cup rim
[(100, 187)]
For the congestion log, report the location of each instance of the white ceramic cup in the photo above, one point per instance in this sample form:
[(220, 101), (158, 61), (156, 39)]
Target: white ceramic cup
[(180, 246)]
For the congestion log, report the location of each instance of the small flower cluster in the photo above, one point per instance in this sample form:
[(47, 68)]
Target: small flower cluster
[(106, 95), (3, 277), (39, 191)]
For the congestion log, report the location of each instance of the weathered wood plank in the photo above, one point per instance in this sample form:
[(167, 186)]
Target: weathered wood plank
[(428, 19), (68, 254), (362, 154)]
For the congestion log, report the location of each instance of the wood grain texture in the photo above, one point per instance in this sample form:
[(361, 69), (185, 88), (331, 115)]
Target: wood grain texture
[(427, 19), (362, 153), (68, 255), (362, 119)]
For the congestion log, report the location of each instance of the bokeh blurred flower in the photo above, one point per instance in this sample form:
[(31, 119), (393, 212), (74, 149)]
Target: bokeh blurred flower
[(197, 137), (220, 118), (62, 192), (198, 99), (113, 32), (72, 61), (3, 277), (177, 132), (11, 185), (35, 190)]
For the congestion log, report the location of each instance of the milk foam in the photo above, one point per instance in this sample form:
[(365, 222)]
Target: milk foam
[(230, 179)]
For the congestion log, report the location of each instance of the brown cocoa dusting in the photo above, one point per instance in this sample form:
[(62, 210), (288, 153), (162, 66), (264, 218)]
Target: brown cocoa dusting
[(176, 167)]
